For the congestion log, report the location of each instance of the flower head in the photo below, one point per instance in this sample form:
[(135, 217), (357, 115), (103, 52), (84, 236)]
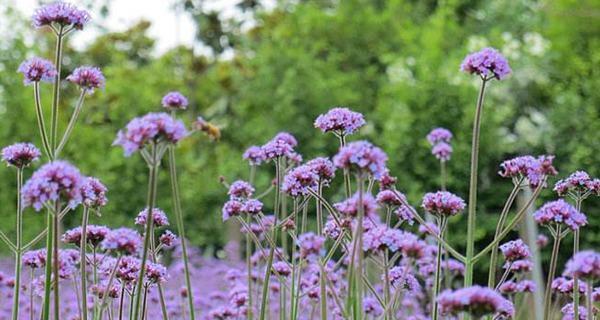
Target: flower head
[(155, 273), (20, 155), (124, 240), (240, 190), (438, 135), (442, 151), (584, 265), (515, 250), (278, 147), (168, 239), (443, 203), (153, 127), (531, 168), (362, 156), (299, 180), (159, 218), (310, 244), (486, 63), (93, 193), (477, 301), (323, 168), (34, 259), (350, 206), (61, 13), (36, 70), (568, 312), (578, 183), (342, 121), (402, 278), (390, 198), (174, 101), (232, 208), (372, 307), (88, 78), (254, 155), (560, 212), (55, 181)]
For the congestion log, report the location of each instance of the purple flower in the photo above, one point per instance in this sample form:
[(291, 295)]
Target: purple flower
[(282, 268), (402, 278), (254, 155), (93, 193), (541, 241), (405, 213), (310, 245), (386, 181), (443, 203), (486, 63), (454, 266), (155, 273), (393, 239), (568, 312), (519, 266), (515, 250), (362, 156), (526, 286), (277, 148), (232, 208), (477, 301), (240, 190), (566, 286), (390, 198), (153, 127), (88, 78), (55, 181), (341, 121), (429, 228), (174, 101), (508, 287), (252, 206), (36, 70), (159, 218), (442, 151), (287, 138), (534, 169), (168, 239), (299, 180), (559, 212), (128, 268), (332, 229), (34, 259), (372, 308), (578, 183), (372, 239), (123, 240), (61, 13), (349, 207), (323, 168), (20, 155), (585, 265), (438, 135)]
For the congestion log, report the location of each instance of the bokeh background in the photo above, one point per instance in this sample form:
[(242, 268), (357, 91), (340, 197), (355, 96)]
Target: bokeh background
[(255, 68)]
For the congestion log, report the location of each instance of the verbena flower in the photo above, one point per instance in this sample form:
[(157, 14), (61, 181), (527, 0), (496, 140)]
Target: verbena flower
[(299, 180), (254, 155), (36, 70), (455, 267), (153, 127), (519, 266), (342, 121), (287, 138), (389, 198), (578, 183), (323, 168), (174, 101), (568, 312), (486, 63), (232, 208), (526, 286), (541, 241), (61, 13), (438, 135), (168, 239), (386, 181), (87, 78), (93, 193), (362, 156), (566, 286), (34, 259), (155, 273), (442, 151), (252, 206), (282, 268), (443, 203), (350, 206), (584, 265), (405, 213), (402, 278), (515, 250), (54, 181), (372, 308), (159, 218), (240, 190), (277, 148), (531, 168), (560, 212), (477, 301), (123, 240), (310, 244), (128, 268), (20, 155)]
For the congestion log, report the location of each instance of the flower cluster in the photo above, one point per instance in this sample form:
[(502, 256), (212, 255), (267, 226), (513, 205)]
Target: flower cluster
[(36, 70), (159, 218), (20, 155), (439, 138), (534, 169), (153, 127), (60, 13), (578, 183), (560, 212), (123, 240), (341, 121), (174, 101), (93, 193), (299, 180), (241, 201), (486, 63), (56, 181), (515, 250), (584, 265), (87, 78), (478, 301), (443, 203), (362, 156)]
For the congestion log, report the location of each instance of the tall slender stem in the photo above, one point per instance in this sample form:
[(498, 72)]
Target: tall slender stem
[(153, 172), (56, 88), (590, 299), (121, 302), (39, 113), (48, 270), (71, 124), (56, 261), (19, 253), (111, 278), (443, 175), (575, 278), (82, 263), (551, 271), (438, 269), (473, 187)]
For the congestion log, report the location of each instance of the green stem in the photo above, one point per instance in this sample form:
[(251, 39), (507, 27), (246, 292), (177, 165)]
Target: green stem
[(386, 286), (56, 89), (590, 300), (551, 271), (82, 263), (443, 175), (153, 172), (108, 288), (18, 255), (39, 113), (438, 269), (48, 270), (575, 278), (56, 261), (347, 187), (473, 188), (121, 302), (71, 124)]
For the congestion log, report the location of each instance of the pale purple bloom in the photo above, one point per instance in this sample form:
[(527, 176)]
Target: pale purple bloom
[(323, 167), (386, 181), (390, 198), (578, 183), (508, 287), (232, 208), (299, 181), (153, 127), (20, 155), (402, 278), (88, 78), (372, 308), (372, 239), (159, 218), (282, 268), (332, 229), (34, 259), (534, 169), (277, 148), (252, 206), (443, 203), (477, 301), (36, 70), (438, 135), (541, 241), (93, 193), (54, 181), (310, 244), (585, 265), (155, 273), (515, 250), (128, 268), (429, 228), (287, 138), (168, 239), (454, 266), (393, 239), (350, 206), (560, 212), (342, 121), (566, 286), (442, 151), (123, 240), (405, 213), (486, 63), (362, 156), (240, 189), (174, 101), (61, 13), (526, 286), (254, 155), (568, 312), (519, 266)]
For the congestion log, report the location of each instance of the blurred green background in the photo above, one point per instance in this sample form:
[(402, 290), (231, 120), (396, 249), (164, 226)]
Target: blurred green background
[(396, 61)]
